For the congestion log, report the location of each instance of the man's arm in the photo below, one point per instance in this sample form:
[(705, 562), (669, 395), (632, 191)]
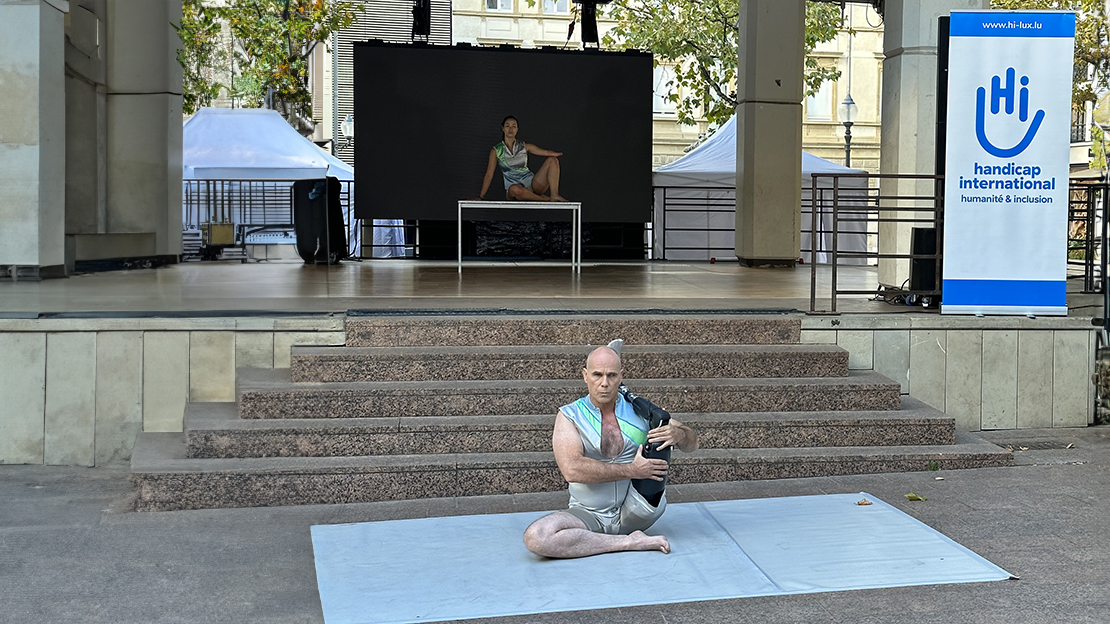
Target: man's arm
[(675, 434), (577, 468)]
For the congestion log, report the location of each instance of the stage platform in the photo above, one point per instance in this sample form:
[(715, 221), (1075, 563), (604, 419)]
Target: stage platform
[(88, 361), (292, 286)]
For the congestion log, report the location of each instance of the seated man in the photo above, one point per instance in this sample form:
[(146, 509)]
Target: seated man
[(597, 442)]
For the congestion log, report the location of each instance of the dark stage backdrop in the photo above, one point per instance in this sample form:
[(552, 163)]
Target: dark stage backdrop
[(429, 115)]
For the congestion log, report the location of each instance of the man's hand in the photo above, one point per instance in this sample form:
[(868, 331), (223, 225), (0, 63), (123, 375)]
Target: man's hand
[(667, 435), (675, 434), (644, 468)]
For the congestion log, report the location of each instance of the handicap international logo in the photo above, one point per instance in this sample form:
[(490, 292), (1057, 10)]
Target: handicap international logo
[(1007, 93)]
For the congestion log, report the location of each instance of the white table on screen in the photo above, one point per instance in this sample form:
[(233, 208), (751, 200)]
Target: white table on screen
[(575, 222)]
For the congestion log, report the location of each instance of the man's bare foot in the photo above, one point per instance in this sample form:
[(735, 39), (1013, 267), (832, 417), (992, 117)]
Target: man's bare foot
[(557, 198), (638, 540)]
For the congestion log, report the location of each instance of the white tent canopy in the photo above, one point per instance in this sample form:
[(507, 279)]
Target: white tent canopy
[(713, 164), (253, 144), (258, 145), (707, 177)]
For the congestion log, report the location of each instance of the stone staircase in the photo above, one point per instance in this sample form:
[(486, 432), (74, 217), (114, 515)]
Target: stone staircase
[(442, 406)]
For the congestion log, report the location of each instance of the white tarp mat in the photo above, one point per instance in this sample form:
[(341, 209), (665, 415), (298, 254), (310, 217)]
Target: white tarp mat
[(459, 567)]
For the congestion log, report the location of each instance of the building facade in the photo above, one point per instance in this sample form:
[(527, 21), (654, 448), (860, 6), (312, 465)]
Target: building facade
[(856, 52)]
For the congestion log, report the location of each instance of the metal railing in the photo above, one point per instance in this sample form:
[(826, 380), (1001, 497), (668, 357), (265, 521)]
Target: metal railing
[(694, 223), (1094, 197), (699, 223), (409, 239), (255, 206), (917, 200), (1087, 232)]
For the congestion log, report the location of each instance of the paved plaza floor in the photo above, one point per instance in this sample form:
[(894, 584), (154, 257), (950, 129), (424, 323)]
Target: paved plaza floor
[(71, 551)]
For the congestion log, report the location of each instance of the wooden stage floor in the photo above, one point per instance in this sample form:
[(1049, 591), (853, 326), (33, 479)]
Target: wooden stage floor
[(292, 286)]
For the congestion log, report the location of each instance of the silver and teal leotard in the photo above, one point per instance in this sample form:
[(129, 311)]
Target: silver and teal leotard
[(514, 164)]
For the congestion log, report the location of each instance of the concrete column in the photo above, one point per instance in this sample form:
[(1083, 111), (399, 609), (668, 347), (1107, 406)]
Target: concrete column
[(769, 92), (32, 137), (909, 114), (86, 124), (143, 214)]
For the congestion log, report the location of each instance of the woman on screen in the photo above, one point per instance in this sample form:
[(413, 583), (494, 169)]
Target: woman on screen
[(521, 184)]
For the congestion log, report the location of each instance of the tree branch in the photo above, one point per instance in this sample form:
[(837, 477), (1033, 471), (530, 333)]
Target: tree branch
[(708, 78)]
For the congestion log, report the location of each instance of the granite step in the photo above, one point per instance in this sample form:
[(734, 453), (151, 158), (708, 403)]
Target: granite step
[(570, 329), (271, 394), (340, 364), (215, 430), (168, 480)]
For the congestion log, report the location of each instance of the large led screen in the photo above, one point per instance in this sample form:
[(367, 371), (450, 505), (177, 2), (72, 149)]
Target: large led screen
[(428, 116)]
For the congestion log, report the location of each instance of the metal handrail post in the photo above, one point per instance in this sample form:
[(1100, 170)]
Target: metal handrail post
[(663, 235), (812, 246), (938, 226), (1105, 192), (1102, 250), (835, 217), (1089, 247)]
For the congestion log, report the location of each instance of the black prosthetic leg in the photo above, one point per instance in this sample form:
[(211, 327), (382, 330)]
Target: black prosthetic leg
[(650, 489)]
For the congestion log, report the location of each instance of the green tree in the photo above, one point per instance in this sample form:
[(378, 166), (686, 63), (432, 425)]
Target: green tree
[(699, 38), (202, 57), (1092, 42), (273, 40)]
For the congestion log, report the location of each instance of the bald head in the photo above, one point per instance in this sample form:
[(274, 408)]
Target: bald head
[(603, 376), (606, 355)]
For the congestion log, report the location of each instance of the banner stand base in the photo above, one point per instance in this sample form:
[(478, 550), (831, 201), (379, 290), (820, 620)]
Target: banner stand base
[(1008, 310)]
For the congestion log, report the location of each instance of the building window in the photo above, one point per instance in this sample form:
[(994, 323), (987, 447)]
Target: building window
[(1079, 124), (555, 6), (819, 105), (661, 100), (499, 5)]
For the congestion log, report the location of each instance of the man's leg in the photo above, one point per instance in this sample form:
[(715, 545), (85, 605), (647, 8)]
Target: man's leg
[(561, 535)]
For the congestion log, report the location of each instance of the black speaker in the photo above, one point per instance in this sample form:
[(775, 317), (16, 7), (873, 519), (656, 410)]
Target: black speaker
[(318, 221), (923, 271)]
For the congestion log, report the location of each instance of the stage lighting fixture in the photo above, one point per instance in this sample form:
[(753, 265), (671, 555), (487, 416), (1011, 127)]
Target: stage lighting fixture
[(421, 19), (588, 17)]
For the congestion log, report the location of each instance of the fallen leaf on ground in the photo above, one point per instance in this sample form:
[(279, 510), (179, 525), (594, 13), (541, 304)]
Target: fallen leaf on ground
[(864, 501), (915, 496)]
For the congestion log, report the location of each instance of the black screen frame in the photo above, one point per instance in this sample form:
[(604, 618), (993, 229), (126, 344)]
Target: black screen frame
[(436, 112)]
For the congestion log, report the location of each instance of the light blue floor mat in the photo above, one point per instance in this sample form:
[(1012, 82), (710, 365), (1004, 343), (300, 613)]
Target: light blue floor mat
[(459, 567)]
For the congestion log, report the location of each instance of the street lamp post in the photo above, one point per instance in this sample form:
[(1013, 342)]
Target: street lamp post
[(347, 129), (848, 110)]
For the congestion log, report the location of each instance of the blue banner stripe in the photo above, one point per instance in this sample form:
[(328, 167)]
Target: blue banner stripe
[(1005, 292), (1011, 24)]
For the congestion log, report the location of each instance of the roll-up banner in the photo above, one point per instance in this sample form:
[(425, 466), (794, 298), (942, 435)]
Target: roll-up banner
[(1006, 173)]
